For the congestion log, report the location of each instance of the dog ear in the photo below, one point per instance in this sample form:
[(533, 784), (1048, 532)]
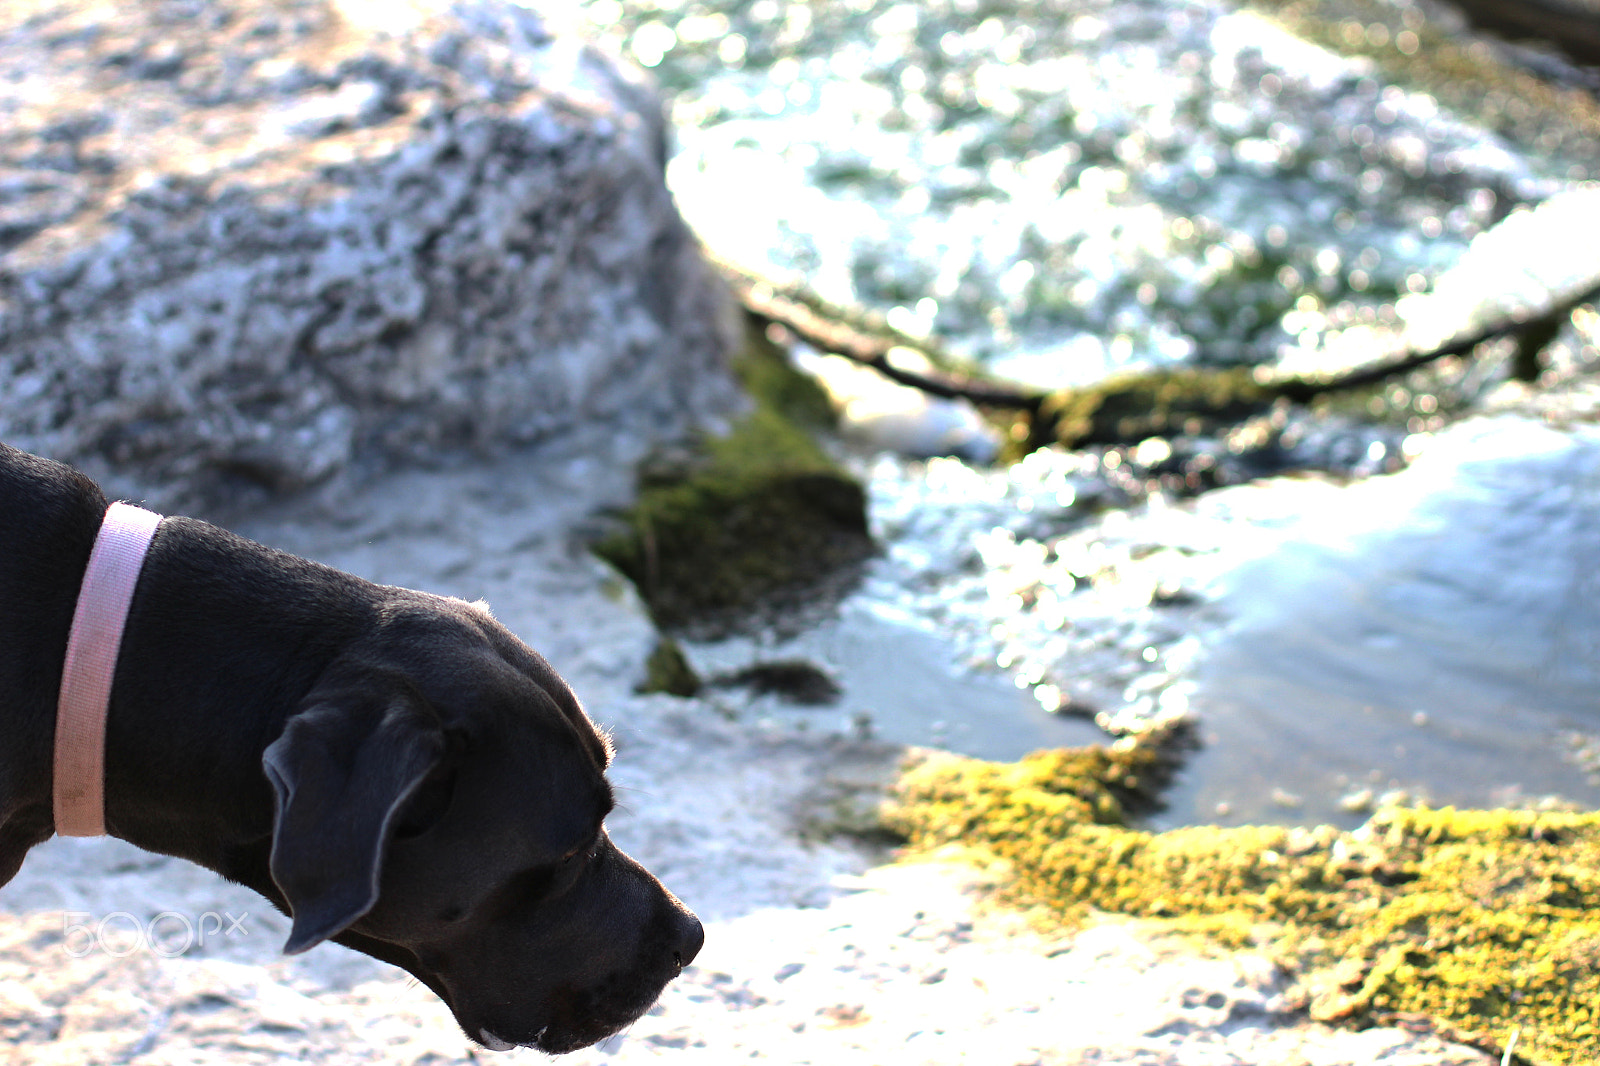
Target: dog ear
[(343, 767)]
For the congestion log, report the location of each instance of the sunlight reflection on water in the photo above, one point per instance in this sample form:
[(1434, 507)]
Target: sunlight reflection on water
[(1439, 632)]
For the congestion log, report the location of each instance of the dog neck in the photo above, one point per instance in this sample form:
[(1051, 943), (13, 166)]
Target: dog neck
[(223, 640), (199, 688), (225, 637), (90, 663)]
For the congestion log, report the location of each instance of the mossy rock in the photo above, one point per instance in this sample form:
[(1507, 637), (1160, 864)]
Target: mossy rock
[(796, 681), (946, 799), (667, 670), (753, 517), (1157, 403), (768, 376), (1485, 921)]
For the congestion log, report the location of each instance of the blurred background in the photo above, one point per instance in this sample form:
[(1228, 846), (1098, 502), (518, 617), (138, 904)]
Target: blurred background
[(1382, 594)]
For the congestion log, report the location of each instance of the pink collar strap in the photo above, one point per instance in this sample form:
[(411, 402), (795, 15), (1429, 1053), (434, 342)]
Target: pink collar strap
[(92, 647)]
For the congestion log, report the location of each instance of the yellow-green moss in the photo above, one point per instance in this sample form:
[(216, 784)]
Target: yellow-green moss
[(949, 799), (752, 513), (1486, 921), (1157, 403)]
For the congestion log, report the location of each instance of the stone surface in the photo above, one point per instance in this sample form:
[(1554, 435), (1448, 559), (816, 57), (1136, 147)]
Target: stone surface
[(253, 241)]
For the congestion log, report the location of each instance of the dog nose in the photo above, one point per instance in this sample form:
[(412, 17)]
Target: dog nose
[(691, 938)]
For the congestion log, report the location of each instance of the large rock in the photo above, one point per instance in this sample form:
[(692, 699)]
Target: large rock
[(258, 239)]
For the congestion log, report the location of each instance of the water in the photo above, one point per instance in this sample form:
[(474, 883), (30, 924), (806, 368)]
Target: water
[(1067, 189), (1437, 632), (900, 683), (1433, 633)]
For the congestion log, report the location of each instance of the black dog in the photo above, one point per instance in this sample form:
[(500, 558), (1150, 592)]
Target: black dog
[(393, 769)]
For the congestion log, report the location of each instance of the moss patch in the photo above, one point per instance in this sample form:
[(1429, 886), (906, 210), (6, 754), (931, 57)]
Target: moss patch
[(668, 671), (754, 516), (1485, 921), (1158, 403)]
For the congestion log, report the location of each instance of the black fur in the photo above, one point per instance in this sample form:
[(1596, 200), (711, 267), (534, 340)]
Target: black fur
[(393, 769)]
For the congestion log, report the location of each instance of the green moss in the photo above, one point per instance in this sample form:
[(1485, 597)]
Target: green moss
[(1486, 921), (668, 671), (754, 514), (946, 799), (766, 374), (1156, 403)]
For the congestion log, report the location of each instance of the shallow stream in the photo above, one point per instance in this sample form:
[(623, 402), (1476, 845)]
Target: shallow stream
[(1435, 631)]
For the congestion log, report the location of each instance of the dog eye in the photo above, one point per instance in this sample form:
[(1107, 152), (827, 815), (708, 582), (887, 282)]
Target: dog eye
[(529, 886), (587, 850)]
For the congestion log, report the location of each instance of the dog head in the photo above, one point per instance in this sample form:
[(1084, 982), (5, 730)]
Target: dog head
[(440, 806)]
